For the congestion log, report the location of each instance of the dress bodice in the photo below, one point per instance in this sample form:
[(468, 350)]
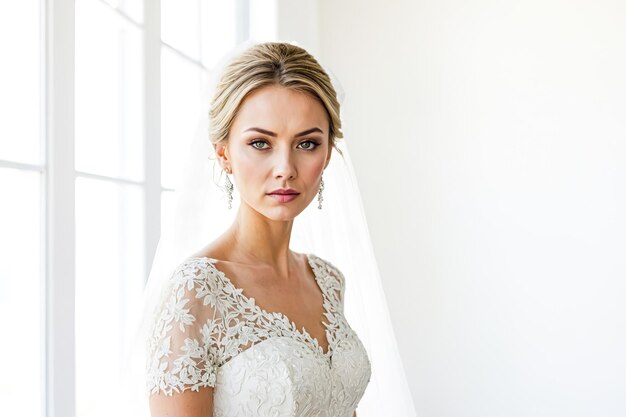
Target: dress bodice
[(207, 333)]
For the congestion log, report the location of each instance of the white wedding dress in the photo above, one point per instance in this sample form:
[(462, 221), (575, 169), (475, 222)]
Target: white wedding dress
[(207, 333)]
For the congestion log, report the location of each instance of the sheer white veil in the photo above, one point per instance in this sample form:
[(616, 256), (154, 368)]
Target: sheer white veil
[(338, 233)]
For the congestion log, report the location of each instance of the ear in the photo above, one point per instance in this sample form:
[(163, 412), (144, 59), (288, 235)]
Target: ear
[(221, 151)]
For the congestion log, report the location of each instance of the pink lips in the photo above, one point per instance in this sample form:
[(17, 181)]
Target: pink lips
[(284, 195)]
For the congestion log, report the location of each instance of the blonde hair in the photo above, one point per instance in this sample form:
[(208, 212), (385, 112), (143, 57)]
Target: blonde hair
[(266, 64)]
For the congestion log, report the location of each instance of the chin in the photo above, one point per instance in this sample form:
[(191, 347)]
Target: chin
[(281, 214)]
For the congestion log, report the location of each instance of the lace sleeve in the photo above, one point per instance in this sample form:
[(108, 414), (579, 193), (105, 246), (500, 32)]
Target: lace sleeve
[(183, 343), (335, 280), (341, 283)]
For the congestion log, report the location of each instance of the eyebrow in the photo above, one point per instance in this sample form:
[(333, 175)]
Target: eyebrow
[(267, 132)]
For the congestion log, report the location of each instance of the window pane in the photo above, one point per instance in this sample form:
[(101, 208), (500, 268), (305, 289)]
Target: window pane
[(219, 30), (167, 207), (109, 281), (19, 83), (180, 23), (180, 112), (131, 8), (20, 293), (109, 113)]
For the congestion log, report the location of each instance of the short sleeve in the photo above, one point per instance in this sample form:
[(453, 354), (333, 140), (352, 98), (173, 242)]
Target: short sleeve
[(182, 351), (341, 283), (335, 281)]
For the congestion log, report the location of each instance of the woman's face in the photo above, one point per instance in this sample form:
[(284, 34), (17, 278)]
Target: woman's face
[(278, 140)]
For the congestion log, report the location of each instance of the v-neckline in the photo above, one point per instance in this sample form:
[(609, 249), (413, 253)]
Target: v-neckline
[(251, 301)]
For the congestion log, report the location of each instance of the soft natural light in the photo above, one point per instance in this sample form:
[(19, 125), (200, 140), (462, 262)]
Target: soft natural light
[(20, 83), (180, 112), (180, 26), (263, 19), (109, 271), (110, 266), (131, 8), (109, 115), (167, 207), (21, 212), (20, 293), (218, 30)]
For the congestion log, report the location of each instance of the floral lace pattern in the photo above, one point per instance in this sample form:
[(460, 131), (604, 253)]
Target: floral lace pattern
[(207, 333)]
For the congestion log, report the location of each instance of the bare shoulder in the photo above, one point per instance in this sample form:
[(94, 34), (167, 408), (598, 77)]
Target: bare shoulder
[(218, 249), (302, 258)]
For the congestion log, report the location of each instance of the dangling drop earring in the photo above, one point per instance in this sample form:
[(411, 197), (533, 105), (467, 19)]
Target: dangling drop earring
[(319, 194), (229, 189)]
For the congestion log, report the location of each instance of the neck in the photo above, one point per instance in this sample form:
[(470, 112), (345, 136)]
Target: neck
[(257, 239)]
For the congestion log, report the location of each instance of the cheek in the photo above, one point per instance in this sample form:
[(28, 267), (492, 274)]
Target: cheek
[(244, 160), (317, 164), (316, 168), (248, 175)]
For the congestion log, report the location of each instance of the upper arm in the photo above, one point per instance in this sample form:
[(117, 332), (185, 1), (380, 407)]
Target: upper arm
[(182, 359), (184, 404)]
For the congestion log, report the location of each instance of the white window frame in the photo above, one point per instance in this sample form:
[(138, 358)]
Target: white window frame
[(59, 225)]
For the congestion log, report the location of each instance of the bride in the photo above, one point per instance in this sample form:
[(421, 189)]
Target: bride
[(247, 326)]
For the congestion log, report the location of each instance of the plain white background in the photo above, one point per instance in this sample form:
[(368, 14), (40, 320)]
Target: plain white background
[(489, 142)]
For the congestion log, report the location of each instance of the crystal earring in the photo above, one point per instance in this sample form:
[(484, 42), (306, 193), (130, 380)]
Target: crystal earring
[(229, 189), (319, 194)]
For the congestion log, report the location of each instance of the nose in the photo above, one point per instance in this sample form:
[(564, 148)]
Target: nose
[(284, 166)]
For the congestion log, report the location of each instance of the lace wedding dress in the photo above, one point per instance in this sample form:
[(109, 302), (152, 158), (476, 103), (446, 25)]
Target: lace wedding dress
[(207, 333)]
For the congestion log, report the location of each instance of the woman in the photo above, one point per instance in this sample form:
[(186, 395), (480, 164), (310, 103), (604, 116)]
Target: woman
[(247, 326)]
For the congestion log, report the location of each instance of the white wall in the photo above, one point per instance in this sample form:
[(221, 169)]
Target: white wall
[(489, 139)]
